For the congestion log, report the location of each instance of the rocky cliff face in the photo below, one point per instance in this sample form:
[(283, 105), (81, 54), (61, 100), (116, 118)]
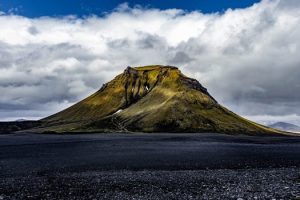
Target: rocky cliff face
[(141, 81), (151, 99)]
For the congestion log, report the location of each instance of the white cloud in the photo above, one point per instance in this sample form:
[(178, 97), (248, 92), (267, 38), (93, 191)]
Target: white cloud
[(247, 58)]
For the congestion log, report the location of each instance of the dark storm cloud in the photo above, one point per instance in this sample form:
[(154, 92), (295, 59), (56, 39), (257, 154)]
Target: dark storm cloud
[(247, 58), (148, 41), (180, 58), (33, 30)]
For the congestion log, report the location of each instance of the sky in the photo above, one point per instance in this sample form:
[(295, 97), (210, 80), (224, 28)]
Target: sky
[(38, 8), (246, 53)]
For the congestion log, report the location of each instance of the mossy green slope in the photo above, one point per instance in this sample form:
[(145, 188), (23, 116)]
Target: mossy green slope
[(152, 99)]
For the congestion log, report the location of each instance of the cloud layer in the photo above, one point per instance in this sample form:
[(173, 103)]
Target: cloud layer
[(247, 58)]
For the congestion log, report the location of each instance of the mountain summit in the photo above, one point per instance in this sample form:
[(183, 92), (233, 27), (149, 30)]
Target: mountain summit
[(151, 99)]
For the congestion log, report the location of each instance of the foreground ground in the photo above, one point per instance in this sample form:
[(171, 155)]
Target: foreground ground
[(167, 166)]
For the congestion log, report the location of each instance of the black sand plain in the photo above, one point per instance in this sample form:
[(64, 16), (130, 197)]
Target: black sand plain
[(148, 166)]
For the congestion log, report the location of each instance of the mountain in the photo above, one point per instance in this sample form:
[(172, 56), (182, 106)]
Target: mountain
[(151, 99), (285, 127)]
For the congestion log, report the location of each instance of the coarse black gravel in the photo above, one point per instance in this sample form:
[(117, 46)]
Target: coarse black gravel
[(282, 183), (149, 166)]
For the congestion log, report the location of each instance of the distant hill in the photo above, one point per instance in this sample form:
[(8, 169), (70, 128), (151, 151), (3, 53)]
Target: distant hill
[(22, 120), (285, 126), (151, 99), (11, 127)]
